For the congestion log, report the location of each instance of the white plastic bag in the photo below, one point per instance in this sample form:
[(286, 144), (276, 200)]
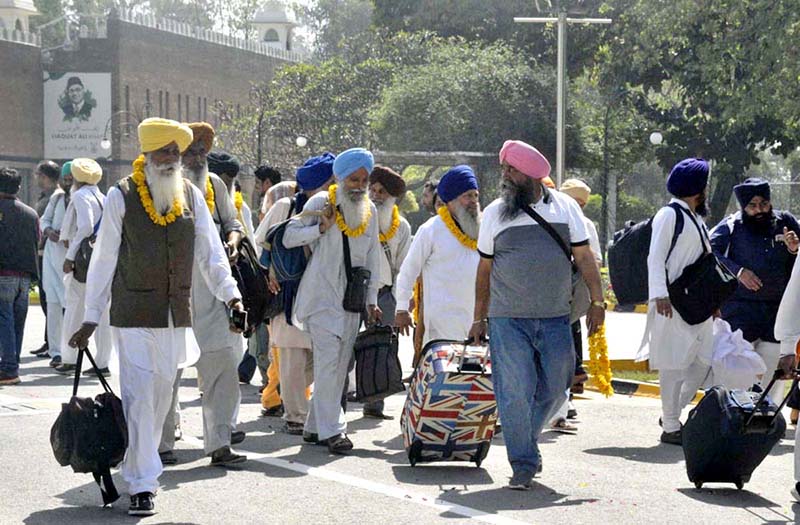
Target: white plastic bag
[(734, 364)]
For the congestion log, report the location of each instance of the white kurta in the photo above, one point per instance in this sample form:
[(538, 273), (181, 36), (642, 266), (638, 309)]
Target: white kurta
[(54, 252), (448, 271), (149, 357), (88, 204), (673, 343), (398, 249)]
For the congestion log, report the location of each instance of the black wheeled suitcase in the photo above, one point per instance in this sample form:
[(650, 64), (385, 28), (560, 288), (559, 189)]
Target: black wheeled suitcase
[(729, 433)]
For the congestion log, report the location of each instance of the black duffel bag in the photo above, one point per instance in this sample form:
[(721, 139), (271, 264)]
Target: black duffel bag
[(378, 371), (703, 286), (90, 435)]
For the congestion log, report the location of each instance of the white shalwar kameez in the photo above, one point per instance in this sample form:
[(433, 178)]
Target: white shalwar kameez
[(448, 271), (318, 307), (679, 351), (52, 270), (84, 210), (149, 357)]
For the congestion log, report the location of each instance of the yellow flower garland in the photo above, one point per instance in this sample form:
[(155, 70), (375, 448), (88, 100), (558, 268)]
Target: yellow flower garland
[(210, 197), (238, 200), (599, 364), (463, 238), (386, 237), (417, 298), (340, 222), (147, 201)]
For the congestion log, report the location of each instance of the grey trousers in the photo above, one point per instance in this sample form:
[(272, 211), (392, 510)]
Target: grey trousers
[(297, 374)]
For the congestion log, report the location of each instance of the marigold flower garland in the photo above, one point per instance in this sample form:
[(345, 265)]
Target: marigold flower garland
[(210, 197), (599, 364), (417, 300), (463, 238), (147, 201), (238, 200), (340, 222), (386, 237)]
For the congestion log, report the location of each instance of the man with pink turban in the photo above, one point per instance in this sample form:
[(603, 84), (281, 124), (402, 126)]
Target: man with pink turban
[(522, 300)]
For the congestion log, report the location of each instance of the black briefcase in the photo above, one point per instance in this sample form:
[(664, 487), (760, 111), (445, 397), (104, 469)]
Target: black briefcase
[(378, 371)]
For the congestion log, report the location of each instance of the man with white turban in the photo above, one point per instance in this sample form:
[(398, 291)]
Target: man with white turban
[(156, 229), (345, 221)]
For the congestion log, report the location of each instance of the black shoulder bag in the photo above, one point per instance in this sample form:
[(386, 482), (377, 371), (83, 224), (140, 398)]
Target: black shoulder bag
[(581, 300), (703, 285), (355, 294), (84, 255)]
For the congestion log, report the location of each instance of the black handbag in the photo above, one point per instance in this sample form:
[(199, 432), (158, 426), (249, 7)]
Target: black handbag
[(90, 435), (84, 255), (378, 370), (355, 294), (702, 286)]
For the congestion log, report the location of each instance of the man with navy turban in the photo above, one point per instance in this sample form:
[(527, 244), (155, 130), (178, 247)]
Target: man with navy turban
[(334, 224), (759, 245), (679, 351)]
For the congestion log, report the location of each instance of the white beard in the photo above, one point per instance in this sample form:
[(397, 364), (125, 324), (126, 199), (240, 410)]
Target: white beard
[(385, 214), (353, 212), (198, 178), (165, 186), (470, 224)]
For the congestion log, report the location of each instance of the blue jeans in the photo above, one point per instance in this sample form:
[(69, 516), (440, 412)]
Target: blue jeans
[(533, 361), (13, 311)]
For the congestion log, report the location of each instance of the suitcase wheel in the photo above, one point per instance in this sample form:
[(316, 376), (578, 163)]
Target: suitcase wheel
[(414, 452), (698, 485), (480, 454), (739, 485)]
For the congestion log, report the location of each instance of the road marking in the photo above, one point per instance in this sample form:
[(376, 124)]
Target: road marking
[(372, 486)]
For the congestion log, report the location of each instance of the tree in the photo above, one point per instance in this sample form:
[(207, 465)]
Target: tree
[(342, 28)]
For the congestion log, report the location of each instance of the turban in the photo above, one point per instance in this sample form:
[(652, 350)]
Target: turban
[(455, 182), (577, 189), (688, 177), (750, 188), (202, 131), (390, 180), (155, 133), (66, 168), (315, 172), (222, 163), (548, 182), (350, 161), (86, 170), (525, 158)]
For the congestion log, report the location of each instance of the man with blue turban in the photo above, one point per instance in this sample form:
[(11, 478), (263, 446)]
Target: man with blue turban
[(336, 225), (759, 245), (679, 351)]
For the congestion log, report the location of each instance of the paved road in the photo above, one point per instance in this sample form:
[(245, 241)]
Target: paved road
[(614, 471)]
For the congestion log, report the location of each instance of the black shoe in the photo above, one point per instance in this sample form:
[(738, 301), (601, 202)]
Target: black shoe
[(66, 369), (7, 379), (295, 429), (142, 504), (377, 414), (55, 361), (105, 372), (339, 444), (572, 413), (237, 436), (168, 458), (224, 456), (276, 411), (351, 397), (311, 437), (672, 438), (41, 350)]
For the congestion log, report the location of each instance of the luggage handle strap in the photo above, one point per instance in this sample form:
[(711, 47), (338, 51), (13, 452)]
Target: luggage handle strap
[(777, 375), (78, 368)]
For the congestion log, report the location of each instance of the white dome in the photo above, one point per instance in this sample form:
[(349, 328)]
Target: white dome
[(273, 13)]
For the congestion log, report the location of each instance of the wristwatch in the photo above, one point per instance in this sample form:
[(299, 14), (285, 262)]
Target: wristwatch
[(601, 304)]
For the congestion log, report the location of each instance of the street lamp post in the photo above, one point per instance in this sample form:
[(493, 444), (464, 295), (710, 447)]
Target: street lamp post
[(106, 143)]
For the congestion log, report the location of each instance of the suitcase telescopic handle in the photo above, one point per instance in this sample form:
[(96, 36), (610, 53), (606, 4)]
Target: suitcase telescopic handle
[(775, 377), (466, 343)]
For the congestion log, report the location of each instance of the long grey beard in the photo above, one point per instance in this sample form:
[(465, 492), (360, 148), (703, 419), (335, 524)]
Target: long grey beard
[(353, 211), (516, 197), (470, 223), (197, 177), (385, 214), (165, 186)]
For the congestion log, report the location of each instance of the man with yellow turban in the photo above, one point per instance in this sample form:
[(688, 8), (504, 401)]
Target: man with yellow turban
[(86, 205), (146, 274)]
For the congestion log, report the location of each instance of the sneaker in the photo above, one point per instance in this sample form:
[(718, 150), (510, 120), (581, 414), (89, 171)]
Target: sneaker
[(339, 444), (672, 438), (55, 361), (168, 457), (376, 414), (276, 411), (237, 436), (521, 481), (105, 372), (796, 492), (142, 504), (224, 456), (295, 429), (66, 369), (311, 437), (41, 350), (9, 379)]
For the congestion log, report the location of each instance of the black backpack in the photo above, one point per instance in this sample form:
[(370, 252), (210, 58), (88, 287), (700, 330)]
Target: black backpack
[(90, 435), (627, 258), (251, 279)]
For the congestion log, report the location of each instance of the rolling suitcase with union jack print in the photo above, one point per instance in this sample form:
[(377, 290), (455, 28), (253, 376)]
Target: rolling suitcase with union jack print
[(450, 412)]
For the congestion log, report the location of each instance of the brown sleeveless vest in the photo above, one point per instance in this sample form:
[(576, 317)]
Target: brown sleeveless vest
[(154, 267)]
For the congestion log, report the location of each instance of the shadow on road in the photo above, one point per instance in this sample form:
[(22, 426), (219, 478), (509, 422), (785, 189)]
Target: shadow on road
[(766, 510), (88, 516), (497, 499), (443, 475), (659, 454)]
